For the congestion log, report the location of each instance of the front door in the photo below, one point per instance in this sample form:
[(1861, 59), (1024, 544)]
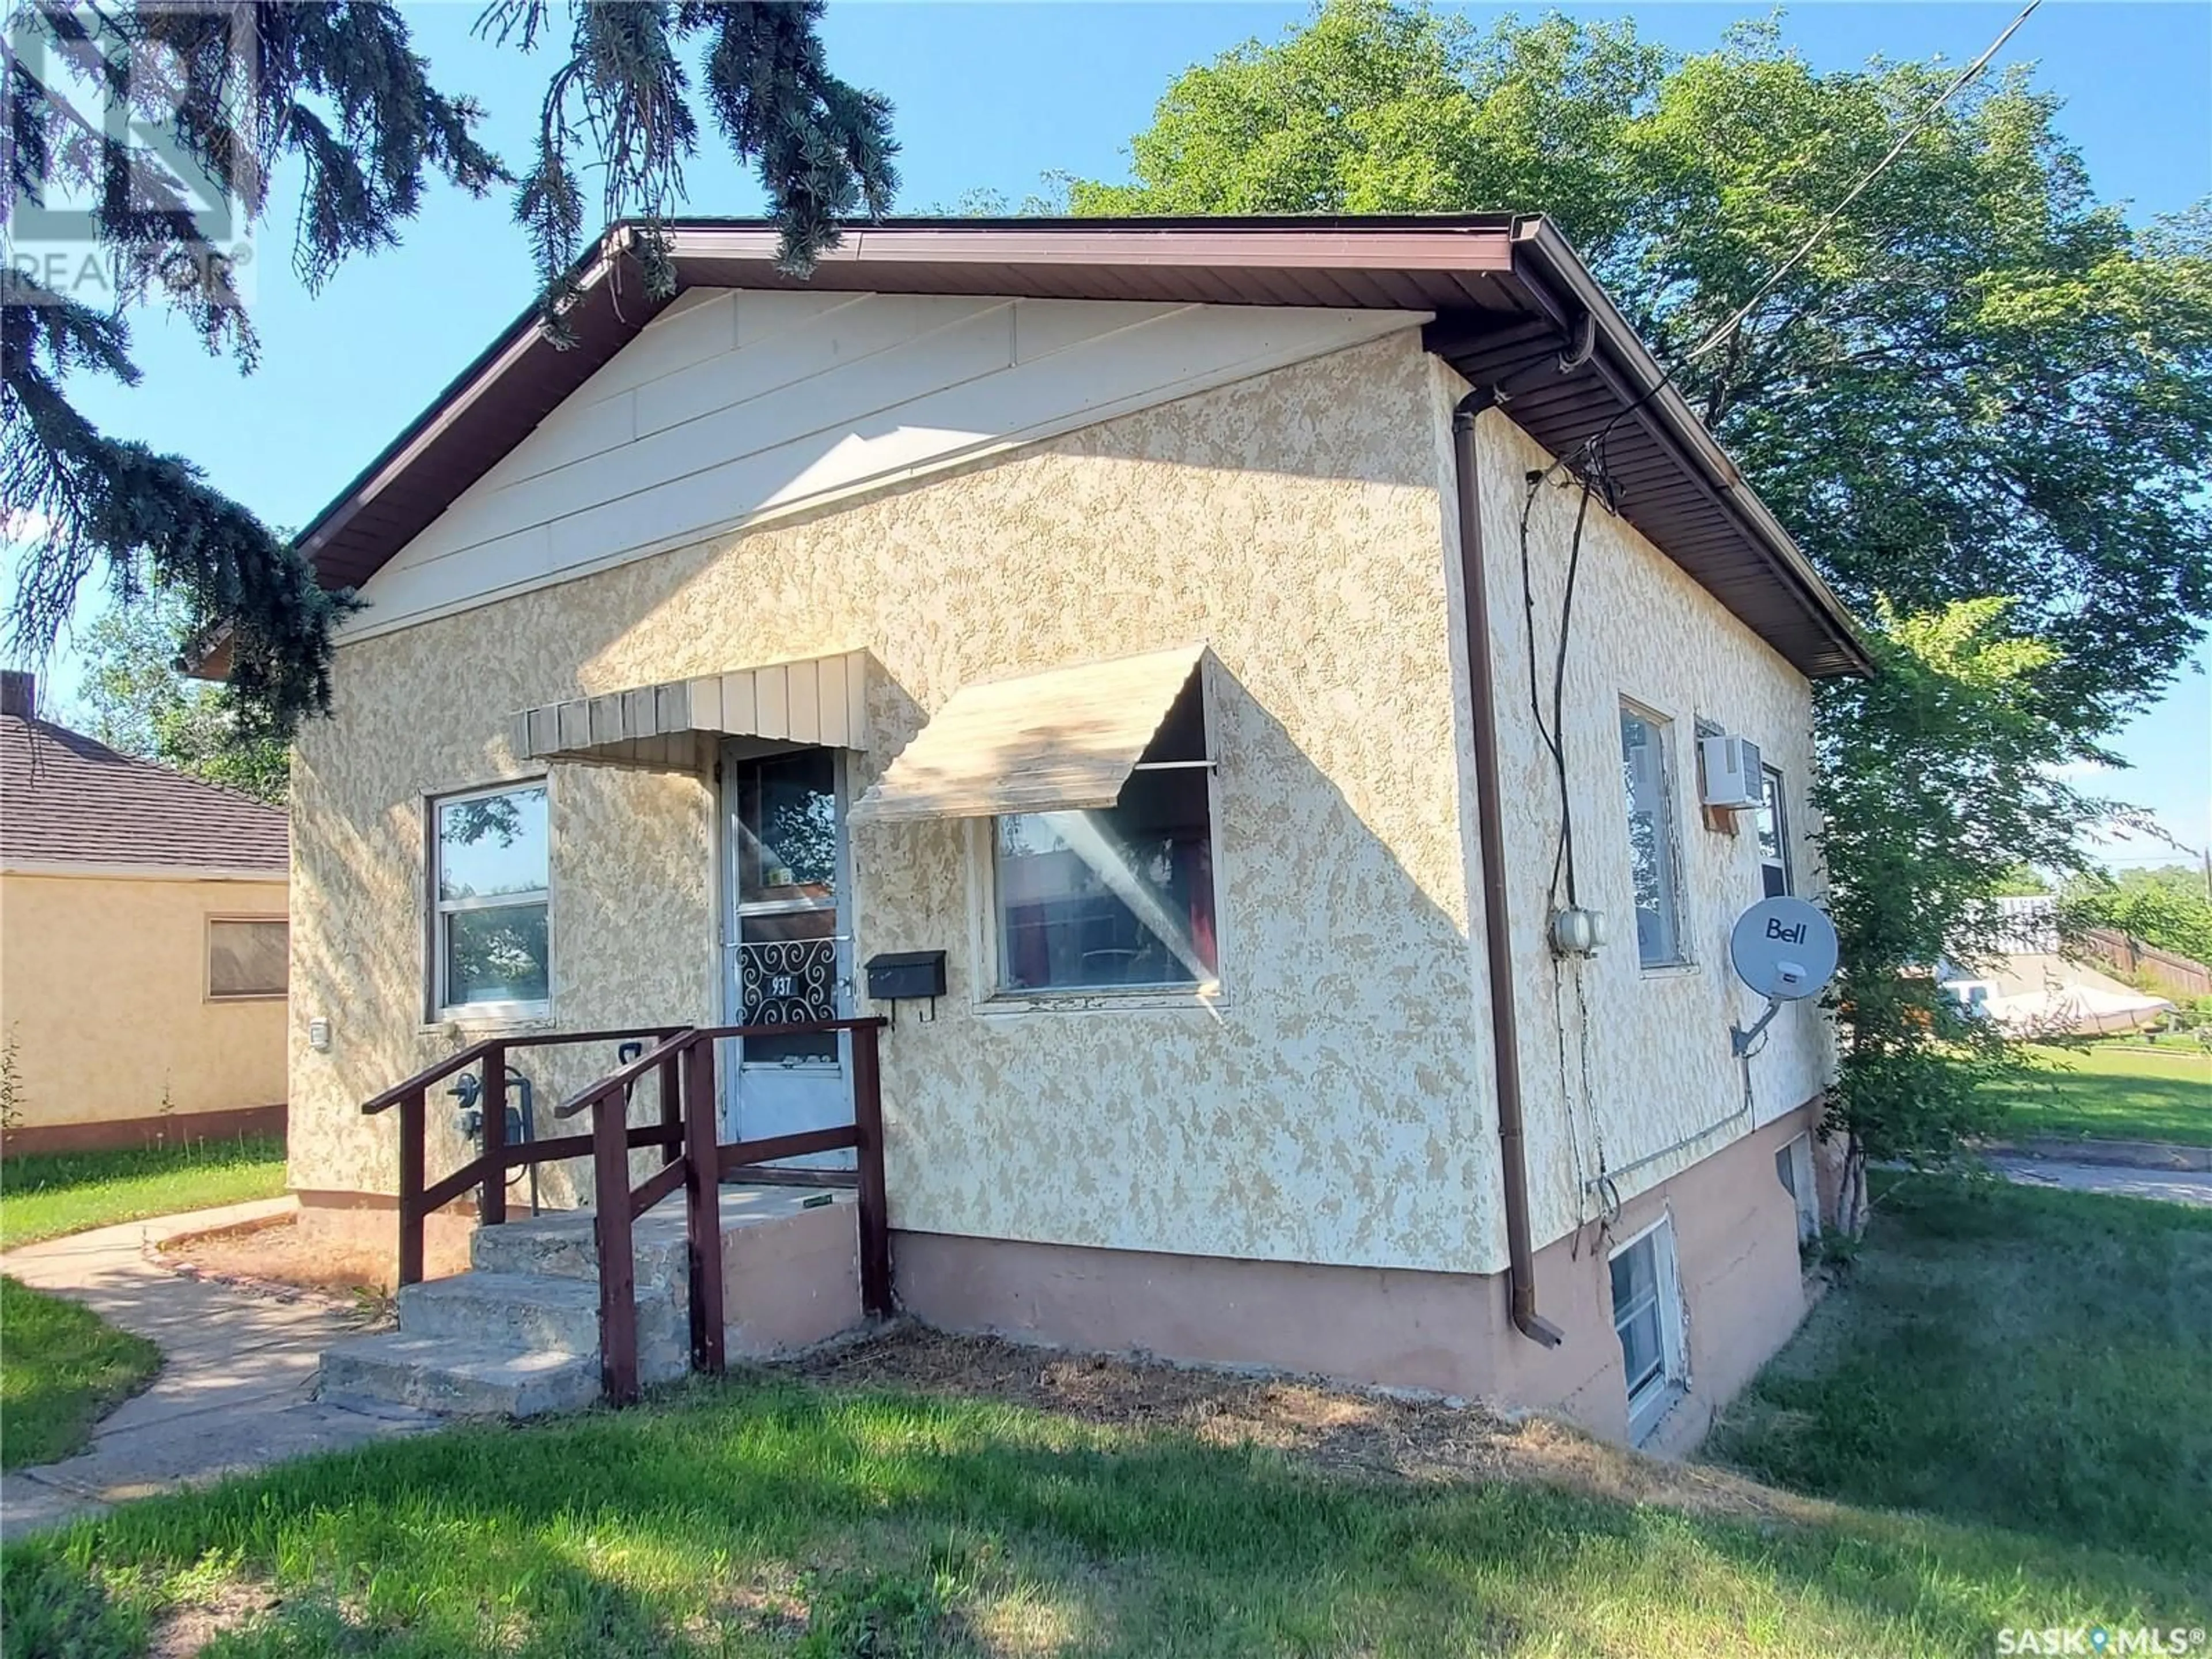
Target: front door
[(787, 952)]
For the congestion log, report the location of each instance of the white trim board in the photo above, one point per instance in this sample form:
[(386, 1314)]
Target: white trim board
[(179, 872), (748, 406)]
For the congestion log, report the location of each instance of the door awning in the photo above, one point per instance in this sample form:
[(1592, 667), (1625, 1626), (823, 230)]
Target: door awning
[(1056, 742), (676, 723)]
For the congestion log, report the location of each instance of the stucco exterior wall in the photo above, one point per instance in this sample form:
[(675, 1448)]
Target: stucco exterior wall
[(1332, 1105), (1627, 1072), (103, 985)]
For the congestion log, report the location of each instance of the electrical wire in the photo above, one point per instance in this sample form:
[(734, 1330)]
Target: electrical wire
[(1587, 460), (1735, 319)]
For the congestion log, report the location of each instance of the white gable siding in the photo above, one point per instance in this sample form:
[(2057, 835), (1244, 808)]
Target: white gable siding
[(734, 405)]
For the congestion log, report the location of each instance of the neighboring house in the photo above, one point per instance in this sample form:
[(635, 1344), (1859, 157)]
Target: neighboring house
[(1093, 602), (142, 945), (2044, 994), (2033, 985)]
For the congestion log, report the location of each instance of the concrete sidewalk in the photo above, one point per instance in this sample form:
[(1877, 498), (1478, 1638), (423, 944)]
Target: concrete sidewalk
[(2117, 1154), (2118, 1180), (237, 1375)]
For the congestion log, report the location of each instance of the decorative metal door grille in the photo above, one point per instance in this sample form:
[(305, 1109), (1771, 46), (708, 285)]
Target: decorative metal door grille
[(788, 982)]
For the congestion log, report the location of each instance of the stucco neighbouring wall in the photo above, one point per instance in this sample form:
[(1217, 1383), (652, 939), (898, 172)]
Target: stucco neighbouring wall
[(103, 989), (1334, 1106), (1627, 1072)]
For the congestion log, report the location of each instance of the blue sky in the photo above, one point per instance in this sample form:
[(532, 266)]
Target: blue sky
[(993, 96)]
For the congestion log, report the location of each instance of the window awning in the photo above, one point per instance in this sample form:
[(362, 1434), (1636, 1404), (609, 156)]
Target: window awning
[(676, 724), (1056, 742)]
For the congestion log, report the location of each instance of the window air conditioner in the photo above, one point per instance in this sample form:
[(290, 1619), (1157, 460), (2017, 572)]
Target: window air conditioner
[(1731, 771)]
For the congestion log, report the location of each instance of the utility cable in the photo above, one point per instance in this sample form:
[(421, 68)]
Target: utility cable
[(1735, 321), (1589, 456)]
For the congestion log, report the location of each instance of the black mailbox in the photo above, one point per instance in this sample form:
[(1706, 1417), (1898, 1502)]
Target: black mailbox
[(906, 975)]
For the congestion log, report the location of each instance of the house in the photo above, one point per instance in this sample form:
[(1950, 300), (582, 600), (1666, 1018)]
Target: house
[(1157, 620), (2034, 982), (143, 945)]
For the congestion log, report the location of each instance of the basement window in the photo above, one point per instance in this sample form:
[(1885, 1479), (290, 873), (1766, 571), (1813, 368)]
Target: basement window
[(489, 902), (1793, 1167), (1647, 1317)]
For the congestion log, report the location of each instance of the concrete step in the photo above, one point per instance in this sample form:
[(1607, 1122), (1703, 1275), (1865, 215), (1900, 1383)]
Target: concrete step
[(459, 1378), (528, 1309), (537, 1310), (561, 1244)]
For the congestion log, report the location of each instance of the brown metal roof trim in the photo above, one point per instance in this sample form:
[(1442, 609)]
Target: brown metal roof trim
[(1507, 291)]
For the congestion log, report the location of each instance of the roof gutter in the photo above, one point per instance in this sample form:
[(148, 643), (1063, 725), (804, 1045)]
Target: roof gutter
[(1537, 238), (1490, 828)]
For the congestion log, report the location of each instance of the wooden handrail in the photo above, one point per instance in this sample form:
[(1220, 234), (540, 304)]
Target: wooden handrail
[(622, 1076), (418, 1196), (479, 1168), (475, 1051), (421, 1082), (693, 1160)]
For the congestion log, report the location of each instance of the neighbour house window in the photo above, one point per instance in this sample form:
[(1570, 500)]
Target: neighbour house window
[(1773, 834), (489, 893), (1653, 859), (1117, 898), (1648, 1319), (248, 957), (1793, 1167)]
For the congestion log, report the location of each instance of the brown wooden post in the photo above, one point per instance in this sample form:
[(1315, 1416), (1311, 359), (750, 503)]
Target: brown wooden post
[(618, 1264), (702, 1206), (672, 1109), (874, 1217), (410, 1188), (491, 1199)]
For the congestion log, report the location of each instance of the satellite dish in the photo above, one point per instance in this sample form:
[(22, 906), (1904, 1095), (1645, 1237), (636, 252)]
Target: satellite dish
[(1784, 949)]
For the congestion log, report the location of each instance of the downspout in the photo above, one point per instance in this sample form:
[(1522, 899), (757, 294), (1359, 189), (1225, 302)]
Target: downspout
[(1490, 823)]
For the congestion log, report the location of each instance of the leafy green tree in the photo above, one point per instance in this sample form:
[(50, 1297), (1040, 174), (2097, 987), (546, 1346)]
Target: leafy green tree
[(137, 702), (1939, 780), (1983, 403), (2166, 907), (138, 113)]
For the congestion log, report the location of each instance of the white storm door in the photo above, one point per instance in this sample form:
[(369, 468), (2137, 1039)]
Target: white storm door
[(787, 952)]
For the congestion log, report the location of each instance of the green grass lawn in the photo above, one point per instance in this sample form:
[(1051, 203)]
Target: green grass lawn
[(62, 1369), (2038, 1359), (2024, 1376), (774, 1517), (2114, 1093), (45, 1194)]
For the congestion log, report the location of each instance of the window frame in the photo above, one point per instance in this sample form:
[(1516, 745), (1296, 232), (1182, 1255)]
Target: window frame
[(208, 993), (1800, 1182), (1651, 1404), (992, 997), (437, 1010), (1668, 813), (1781, 860)]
